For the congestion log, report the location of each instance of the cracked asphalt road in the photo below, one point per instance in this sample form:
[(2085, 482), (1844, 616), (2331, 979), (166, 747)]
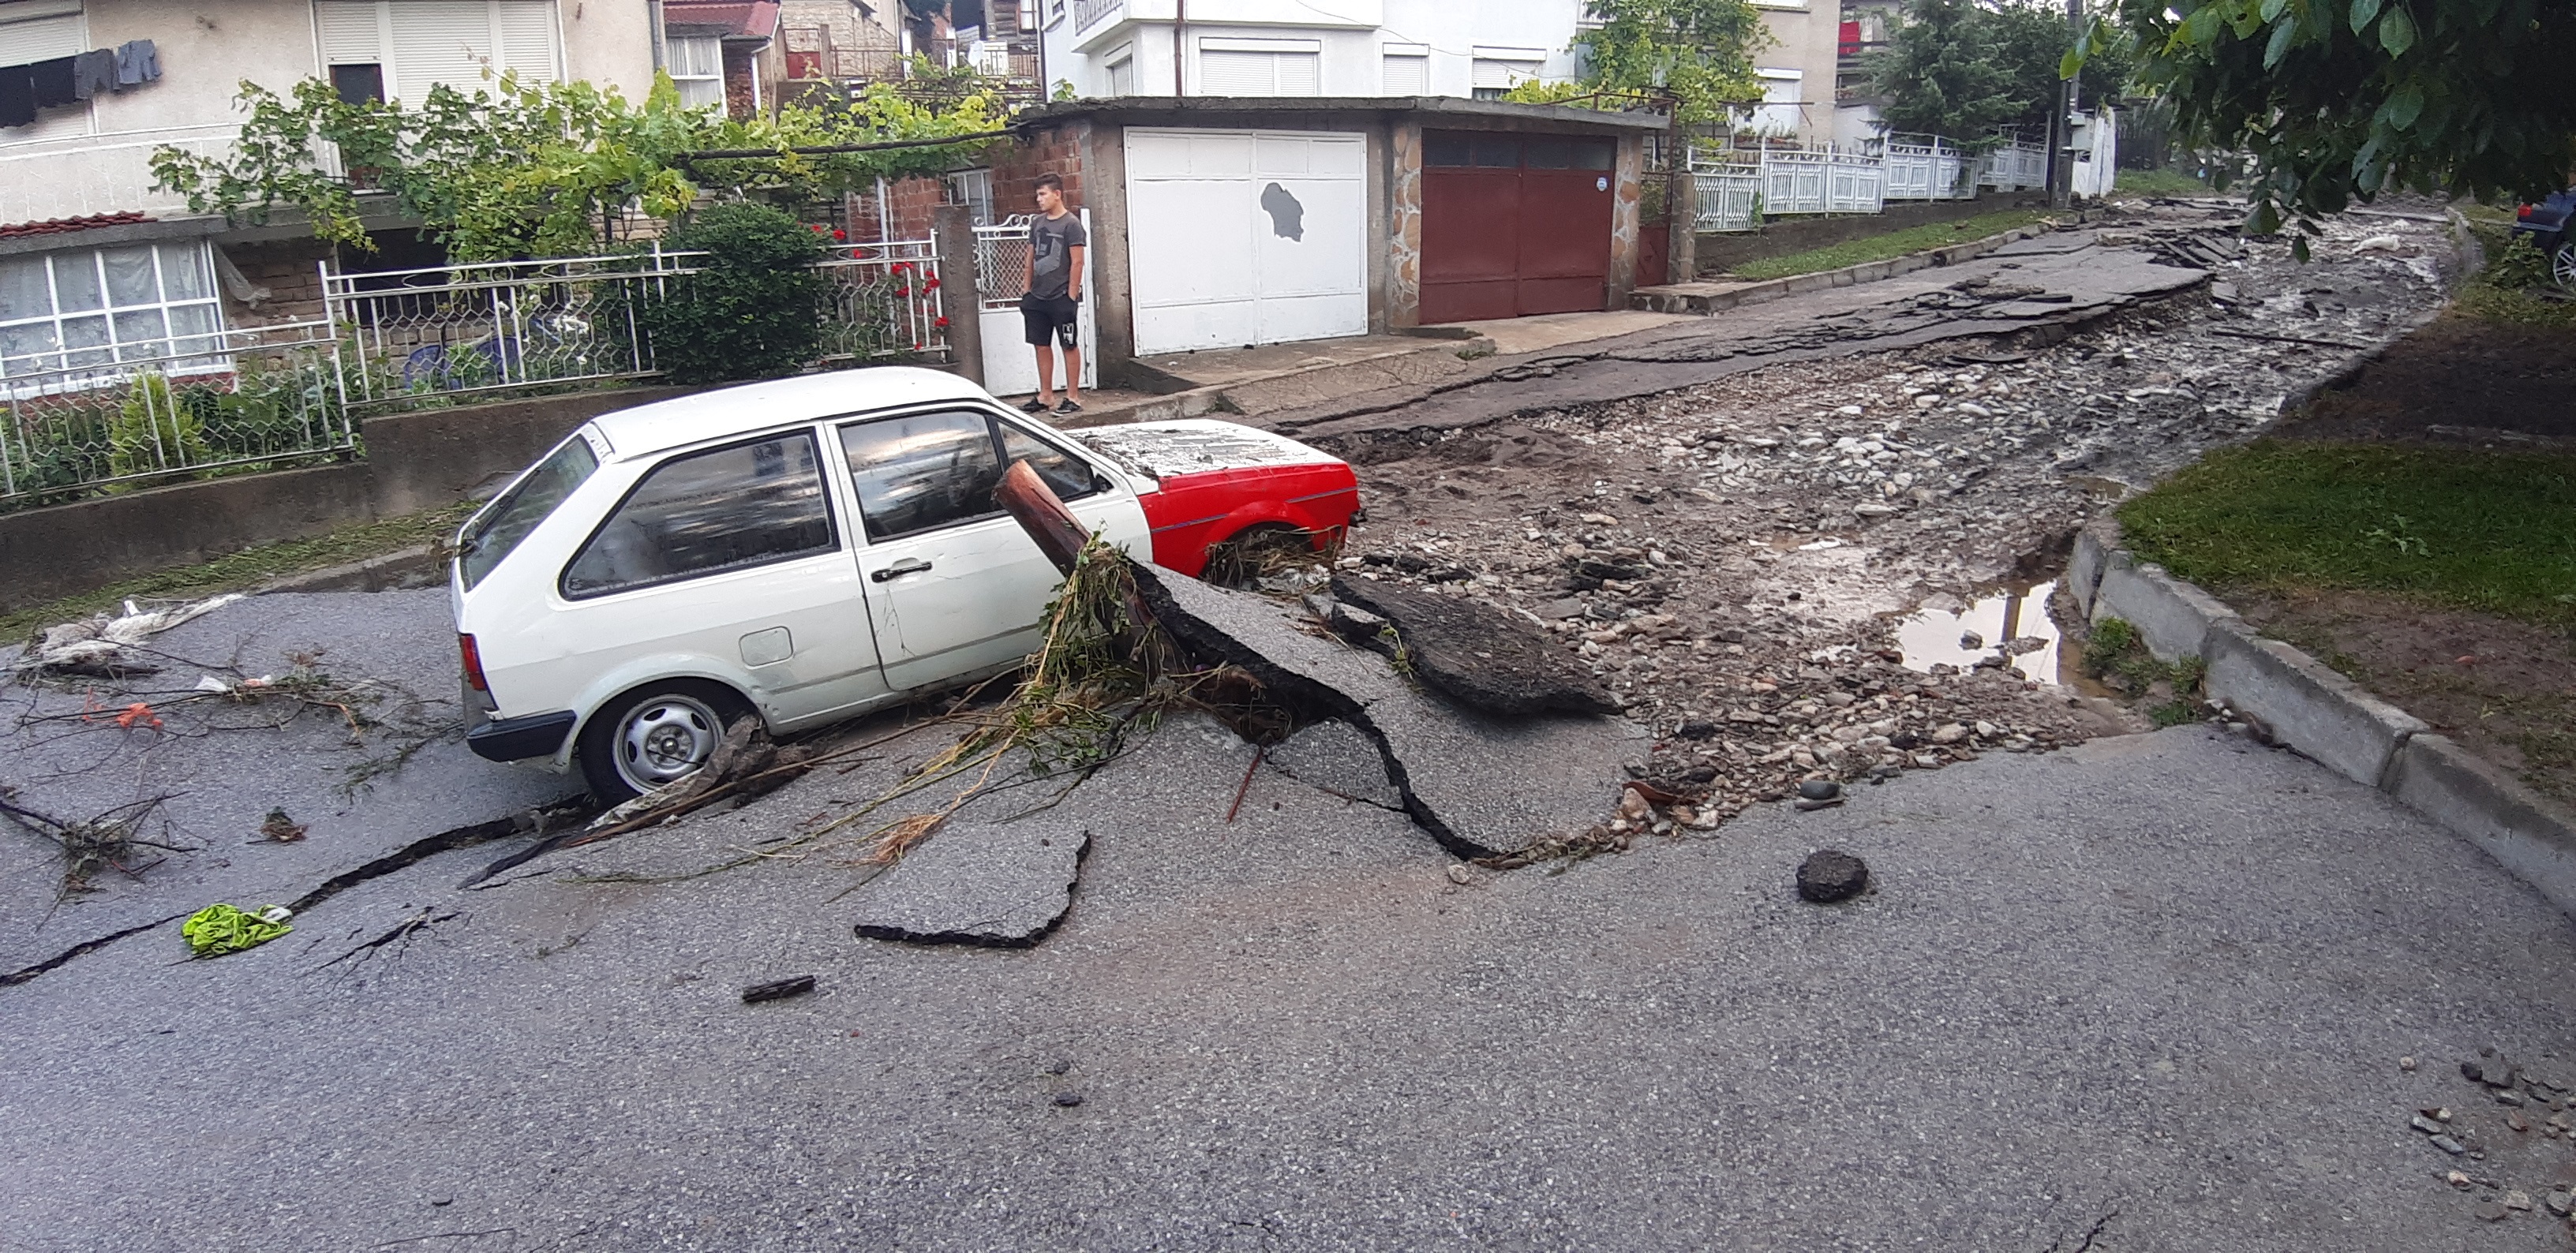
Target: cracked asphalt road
[(2072, 995)]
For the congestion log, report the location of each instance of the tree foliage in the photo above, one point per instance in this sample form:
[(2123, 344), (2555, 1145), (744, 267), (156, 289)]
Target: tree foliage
[(2339, 100), (543, 170), (1961, 69), (754, 308), (1698, 51)]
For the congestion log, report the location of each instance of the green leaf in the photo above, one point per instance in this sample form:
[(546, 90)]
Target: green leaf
[(2071, 64), (2271, 9), (2362, 12), (2406, 106), (2396, 32), (2280, 45)]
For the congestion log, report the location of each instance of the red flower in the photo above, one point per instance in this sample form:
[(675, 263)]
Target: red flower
[(815, 227), (930, 285), (940, 322), (903, 291), (840, 234), (916, 347)]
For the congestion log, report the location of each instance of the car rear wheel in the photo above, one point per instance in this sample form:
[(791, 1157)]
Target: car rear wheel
[(2562, 265), (654, 735), (1241, 561)]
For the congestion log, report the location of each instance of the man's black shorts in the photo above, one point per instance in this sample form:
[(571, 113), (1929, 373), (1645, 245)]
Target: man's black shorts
[(1042, 316)]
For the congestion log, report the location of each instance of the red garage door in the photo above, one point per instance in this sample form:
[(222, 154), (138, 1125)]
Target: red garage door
[(1514, 225)]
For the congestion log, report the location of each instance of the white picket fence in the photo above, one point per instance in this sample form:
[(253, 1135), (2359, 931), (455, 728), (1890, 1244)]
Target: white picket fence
[(1735, 188)]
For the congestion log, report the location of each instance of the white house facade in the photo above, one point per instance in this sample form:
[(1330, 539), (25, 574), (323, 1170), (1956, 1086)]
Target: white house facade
[(1359, 48)]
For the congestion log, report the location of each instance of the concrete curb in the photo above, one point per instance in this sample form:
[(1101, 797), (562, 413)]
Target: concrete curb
[(1246, 395), (421, 565), (2307, 706), (1674, 298)]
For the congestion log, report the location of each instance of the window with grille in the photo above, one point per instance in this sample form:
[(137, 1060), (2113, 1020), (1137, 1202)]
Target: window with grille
[(88, 307), (1261, 67), (421, 43), (697, 69)]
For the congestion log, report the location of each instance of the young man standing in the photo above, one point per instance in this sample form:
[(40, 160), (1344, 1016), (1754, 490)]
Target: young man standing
[(1054, 297)]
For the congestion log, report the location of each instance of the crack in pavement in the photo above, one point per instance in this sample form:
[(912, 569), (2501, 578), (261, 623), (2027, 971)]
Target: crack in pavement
[(536, 821)]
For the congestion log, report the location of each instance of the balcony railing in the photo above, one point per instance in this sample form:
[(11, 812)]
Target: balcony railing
[(84, 175), (1090, 13)]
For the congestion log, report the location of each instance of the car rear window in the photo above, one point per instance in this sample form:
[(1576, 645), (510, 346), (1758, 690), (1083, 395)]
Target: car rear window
[(704, 513), (498, 529)]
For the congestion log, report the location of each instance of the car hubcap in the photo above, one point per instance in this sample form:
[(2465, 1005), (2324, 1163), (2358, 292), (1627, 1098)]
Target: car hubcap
[(2563, 266), (664, 739)]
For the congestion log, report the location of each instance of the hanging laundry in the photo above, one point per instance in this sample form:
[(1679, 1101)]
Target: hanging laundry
[(137, 63), (17, 96), (53, 81), (94, 73)]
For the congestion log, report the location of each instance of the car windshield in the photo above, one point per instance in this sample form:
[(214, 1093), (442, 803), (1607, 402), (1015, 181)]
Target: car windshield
[(500, 527)]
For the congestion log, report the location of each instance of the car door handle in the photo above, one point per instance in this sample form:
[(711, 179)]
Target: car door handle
[(909, 565)]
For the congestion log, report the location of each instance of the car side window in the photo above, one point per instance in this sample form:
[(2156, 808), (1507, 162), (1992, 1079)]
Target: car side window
[(723, 509), (924, 471), (1068, 476)]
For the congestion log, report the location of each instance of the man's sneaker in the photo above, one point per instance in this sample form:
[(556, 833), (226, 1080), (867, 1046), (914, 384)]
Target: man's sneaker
[(1034, 405), (1068, 406)]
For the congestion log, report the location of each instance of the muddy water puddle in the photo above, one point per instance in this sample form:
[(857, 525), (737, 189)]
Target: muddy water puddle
[(2012, 623)]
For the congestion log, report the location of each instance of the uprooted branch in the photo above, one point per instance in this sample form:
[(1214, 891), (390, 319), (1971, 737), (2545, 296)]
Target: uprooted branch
[(108, 841)]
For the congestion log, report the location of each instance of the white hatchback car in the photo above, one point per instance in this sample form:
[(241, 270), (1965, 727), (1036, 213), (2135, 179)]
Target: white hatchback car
[(810, 549)]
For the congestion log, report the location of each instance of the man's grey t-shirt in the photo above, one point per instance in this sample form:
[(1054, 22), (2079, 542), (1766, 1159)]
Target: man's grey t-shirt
[(1049, 240)]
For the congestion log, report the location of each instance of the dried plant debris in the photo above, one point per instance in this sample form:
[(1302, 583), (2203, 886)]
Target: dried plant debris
[(108, 645), (110, 841)]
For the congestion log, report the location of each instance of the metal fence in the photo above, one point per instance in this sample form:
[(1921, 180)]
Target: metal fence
[(88, 417), (1925, 167), (2014, 166), (1735, 188), (1002, 261), (196, 403)]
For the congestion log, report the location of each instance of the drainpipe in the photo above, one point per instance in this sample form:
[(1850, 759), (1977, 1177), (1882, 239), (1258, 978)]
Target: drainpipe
[(1180, 19)]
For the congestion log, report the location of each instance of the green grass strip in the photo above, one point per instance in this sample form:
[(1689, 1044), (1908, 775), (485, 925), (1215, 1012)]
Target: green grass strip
[(2493, 532), (248, 568), (1911, 240)]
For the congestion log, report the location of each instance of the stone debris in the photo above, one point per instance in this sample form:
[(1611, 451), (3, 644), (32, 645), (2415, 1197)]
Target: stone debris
[(1830, 875), (1730, 559), (998, 885), (778, 990)]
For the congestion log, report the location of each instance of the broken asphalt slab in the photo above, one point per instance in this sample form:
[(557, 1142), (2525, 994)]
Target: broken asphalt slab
[(426, 792), (1003, 885), (1483, 786), (2077, 279), (1477, 654), (2168, 976)]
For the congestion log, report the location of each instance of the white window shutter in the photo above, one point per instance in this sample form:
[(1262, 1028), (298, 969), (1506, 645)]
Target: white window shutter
[(441, 41), (1230, 73), (1300, 73), (528, 40), (40, 30), (1491, 72), (349, 32), (1407, 75)]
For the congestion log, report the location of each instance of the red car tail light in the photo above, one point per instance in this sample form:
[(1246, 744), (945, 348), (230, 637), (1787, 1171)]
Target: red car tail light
[(2523, 212), (473, 659)]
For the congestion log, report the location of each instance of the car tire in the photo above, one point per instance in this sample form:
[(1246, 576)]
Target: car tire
[(654, 734), (2562, 264)]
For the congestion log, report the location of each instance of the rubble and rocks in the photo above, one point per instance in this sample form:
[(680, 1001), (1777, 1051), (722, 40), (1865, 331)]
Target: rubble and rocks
[(1731, 558), (2525, 1148), (992, 884), (1830, 875)]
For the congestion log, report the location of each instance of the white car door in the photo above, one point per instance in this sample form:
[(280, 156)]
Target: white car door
[(731, 555), (954, 585)]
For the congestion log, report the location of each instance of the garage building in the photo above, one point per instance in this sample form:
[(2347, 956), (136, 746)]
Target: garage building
[(1227, 222)]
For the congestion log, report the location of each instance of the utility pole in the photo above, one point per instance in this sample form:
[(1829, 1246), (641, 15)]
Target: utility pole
[(2061, 133)]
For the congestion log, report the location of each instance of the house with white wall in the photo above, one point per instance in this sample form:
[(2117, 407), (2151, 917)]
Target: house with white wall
[(1389, 48), (92, 256)]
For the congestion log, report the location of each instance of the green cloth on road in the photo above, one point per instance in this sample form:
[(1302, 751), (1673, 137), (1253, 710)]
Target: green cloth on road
[(220, 929)]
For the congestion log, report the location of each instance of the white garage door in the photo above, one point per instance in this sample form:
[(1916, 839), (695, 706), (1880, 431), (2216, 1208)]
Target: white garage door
[(1246, 237)]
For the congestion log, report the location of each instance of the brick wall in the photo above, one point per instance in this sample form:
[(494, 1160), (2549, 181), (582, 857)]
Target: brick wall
[(291, 271), (1016, 167)]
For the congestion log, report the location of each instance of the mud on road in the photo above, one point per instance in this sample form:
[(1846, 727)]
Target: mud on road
[(1738, 558)]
